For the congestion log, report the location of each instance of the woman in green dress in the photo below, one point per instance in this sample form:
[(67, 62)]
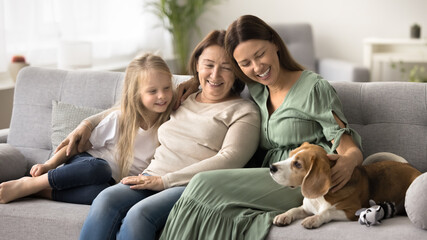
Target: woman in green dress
[(296, 106)]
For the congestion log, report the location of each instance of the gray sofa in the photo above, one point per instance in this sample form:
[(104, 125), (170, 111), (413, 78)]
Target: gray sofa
[(390, 116)]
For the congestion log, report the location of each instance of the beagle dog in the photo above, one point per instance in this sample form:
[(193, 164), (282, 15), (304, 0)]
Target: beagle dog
[(309, 167)]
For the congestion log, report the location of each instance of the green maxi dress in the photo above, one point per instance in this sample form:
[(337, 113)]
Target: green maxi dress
[(241, 203)]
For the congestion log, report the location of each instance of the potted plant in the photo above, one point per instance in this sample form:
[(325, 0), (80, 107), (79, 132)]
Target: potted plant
[(16, 64), (416, 74), (180, 19)]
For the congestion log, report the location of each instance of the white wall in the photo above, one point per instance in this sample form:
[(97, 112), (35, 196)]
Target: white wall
[(339, 25)]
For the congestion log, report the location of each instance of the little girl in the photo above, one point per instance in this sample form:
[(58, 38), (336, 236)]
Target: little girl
[(123, 144)]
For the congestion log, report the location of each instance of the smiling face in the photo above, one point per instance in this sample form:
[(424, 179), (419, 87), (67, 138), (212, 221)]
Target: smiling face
[(258, 60), (215, 75), (156, 91)]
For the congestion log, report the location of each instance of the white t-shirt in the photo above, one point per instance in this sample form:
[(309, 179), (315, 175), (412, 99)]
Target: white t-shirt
[(104, 140)]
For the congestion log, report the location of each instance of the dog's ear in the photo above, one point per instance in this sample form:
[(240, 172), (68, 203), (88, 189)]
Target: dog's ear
[(318, 179)]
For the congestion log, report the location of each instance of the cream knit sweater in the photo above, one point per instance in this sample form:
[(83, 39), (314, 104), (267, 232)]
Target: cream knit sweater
[(204, 136)]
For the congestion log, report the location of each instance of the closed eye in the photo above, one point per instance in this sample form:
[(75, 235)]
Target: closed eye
[(260, 54), (244, 64)]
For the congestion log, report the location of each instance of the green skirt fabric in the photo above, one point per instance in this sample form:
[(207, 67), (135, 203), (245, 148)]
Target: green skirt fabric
[(229, 204)]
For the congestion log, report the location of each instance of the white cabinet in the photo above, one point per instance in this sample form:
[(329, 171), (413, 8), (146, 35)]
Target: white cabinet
[(380, 53)]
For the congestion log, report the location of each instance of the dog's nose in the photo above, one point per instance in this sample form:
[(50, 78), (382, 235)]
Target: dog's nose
[(273, 168)]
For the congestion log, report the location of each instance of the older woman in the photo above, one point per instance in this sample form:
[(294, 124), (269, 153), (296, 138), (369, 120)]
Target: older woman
[(296, 106), (213, 129)]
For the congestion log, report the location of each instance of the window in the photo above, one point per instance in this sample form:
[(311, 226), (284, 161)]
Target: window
[(41, 30)]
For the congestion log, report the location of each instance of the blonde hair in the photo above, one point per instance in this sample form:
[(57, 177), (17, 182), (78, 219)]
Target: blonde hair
[(133, 112)]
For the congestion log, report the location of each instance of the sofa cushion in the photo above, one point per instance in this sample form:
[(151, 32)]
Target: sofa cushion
[(416, 201), (12, 163), (389, 116), (32, 218), (3, 135), (65, 118)]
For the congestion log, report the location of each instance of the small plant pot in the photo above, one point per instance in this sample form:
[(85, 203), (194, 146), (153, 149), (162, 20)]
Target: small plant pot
[(415, 31), (14, 69)]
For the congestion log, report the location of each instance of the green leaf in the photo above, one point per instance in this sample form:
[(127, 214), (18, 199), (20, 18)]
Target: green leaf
[(180, 17)]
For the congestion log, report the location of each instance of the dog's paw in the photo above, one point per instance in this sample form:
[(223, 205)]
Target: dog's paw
[(312, 222), (282, 219)]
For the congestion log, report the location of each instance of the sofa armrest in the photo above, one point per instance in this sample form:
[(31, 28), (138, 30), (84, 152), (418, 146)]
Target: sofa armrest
[(3, 135), (339, 70), (13, 164)]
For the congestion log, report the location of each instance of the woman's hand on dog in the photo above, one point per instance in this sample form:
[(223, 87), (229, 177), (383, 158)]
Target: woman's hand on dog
[(154, 183), (349, 156), (342, 171)]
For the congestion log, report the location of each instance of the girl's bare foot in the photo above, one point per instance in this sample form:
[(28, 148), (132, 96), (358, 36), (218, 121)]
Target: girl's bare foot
[(22, 187)]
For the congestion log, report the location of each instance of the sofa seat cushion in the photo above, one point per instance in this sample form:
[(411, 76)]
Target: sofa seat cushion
[(416, 201), (398, 227), (12, 163), (31, 218)]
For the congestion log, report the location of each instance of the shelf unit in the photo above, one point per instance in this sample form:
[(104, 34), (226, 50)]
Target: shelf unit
[(378, 52)]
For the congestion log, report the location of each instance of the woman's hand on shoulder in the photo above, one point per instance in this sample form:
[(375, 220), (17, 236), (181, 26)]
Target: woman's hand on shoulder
[(154, 183), (79, 136), (185, 89)]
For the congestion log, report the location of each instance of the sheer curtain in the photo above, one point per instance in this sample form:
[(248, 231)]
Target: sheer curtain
[(2, 38), (114, 29)]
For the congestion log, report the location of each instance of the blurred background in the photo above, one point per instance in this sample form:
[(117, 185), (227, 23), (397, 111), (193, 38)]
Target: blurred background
[(107, 34)]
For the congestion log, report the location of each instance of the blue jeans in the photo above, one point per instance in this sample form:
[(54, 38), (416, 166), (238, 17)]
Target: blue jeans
[(80, 180), (121, 212)]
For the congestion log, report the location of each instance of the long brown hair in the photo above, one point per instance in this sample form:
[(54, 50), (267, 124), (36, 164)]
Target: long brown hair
[(216, 37), (132, 111), (248, 27)]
